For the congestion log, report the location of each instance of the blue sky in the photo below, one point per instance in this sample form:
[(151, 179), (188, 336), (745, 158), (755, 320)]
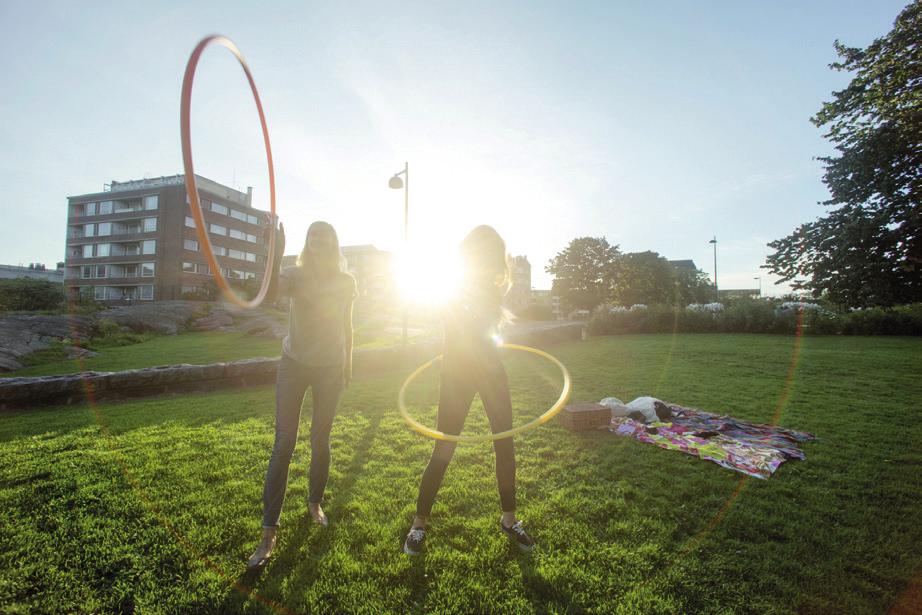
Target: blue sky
[(655, 124)]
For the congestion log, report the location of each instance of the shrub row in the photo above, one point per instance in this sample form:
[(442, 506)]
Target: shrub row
[(759, 317)]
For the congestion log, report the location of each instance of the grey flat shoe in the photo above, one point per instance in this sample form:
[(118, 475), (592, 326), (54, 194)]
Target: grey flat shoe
[(322, 521)]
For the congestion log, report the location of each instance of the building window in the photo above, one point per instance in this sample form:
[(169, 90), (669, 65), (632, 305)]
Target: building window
[(147, 291), (235, 234), (238, 215), (150, 202), (238, 254), (204, 269), (105, 207), (233, 274), (147, 270), (217, 229), (219, 209), (102, 249), (190, 244), (91, 209), (249, 275), (89, 230), (188, 267), (150, 225), (219, 250), (190, 222), (251, 257), (100, 271), (104, 229), (149, 246), (99, 292), (252, 219), (88, 251), (86, 272), (251, 238)]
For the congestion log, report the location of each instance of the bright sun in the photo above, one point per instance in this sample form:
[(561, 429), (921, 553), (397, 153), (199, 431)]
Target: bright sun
[(427, 275)]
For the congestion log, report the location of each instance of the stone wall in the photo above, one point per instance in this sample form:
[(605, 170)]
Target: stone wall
[(34, 392)]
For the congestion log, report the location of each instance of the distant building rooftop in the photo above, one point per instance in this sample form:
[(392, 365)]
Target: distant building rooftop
[(208, 185), (9, 272), (684, 264)]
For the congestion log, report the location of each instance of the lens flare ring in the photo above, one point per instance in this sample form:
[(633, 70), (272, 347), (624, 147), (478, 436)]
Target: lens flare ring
[(440, 435)]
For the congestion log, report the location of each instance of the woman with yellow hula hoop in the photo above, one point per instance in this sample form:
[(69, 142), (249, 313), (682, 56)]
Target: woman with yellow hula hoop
[(471, 364)]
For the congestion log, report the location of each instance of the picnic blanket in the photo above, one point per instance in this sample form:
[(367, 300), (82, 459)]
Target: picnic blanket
[(751, 448)]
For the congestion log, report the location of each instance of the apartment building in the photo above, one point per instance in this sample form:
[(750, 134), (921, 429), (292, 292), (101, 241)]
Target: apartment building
[(136, 240)]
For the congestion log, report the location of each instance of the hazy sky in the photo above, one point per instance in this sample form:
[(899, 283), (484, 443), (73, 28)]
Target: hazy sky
[(655, 124)]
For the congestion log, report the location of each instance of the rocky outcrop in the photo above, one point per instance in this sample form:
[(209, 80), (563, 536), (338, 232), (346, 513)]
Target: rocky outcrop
[(165, 317), (23, 334), (217, 320)]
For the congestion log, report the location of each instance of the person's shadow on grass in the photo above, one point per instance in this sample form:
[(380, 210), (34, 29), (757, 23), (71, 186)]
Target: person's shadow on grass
[(290, 561)]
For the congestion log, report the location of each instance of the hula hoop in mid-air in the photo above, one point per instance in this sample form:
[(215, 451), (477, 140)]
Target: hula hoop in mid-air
[(191, 187), (440, 435)]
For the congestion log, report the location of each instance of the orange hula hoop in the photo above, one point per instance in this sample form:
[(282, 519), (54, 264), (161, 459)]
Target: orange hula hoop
[(192, 189)]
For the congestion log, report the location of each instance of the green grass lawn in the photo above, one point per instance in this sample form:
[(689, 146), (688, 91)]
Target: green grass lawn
[(153, 505), (194, 348)]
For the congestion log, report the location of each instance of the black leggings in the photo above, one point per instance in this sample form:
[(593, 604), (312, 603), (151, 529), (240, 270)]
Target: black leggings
[(293, 379), (461, 380)]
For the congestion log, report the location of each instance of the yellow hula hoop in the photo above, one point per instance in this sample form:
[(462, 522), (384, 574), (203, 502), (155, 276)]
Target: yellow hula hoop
[(440, 435)]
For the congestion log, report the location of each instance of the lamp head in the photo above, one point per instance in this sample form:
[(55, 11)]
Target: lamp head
[(395, 182)]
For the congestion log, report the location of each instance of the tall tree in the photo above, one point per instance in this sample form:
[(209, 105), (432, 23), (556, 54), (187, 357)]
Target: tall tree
[(868, 251), (693, 286), (644, 277), (582, 272)]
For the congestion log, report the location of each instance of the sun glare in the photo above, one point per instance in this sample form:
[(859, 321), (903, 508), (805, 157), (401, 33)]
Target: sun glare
[(427, 275)]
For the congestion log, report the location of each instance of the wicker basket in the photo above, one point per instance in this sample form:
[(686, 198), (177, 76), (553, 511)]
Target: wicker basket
[(584, 416)]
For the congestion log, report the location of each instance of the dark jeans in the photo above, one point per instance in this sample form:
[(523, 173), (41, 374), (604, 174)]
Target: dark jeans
[(291, 383), (461, 380)]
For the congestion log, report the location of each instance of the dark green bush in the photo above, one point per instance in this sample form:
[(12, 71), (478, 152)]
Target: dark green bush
[(748, 316), (26, 294), (901, 320), (108, 333)]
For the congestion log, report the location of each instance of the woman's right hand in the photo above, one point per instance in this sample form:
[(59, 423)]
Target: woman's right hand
[(275, 224)]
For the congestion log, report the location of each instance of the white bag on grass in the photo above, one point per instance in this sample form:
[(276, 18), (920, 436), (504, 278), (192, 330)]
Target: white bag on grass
[(645, 406), (616, 406)]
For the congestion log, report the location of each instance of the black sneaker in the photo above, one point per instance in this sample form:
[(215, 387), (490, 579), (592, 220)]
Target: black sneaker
[(414, 542), (517, 533)]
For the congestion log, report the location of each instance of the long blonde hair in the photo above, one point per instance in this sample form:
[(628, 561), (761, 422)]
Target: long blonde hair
[(487, 272), (326, 264)]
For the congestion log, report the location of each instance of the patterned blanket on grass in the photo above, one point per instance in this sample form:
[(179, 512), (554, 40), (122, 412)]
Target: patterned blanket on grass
[(750, 448)]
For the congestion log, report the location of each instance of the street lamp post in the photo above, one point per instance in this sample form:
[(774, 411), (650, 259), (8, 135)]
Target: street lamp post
[(759, 278), (716, 292), (396, 183)]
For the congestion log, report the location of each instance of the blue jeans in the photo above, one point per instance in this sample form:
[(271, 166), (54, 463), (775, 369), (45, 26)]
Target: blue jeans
[(326, 385)]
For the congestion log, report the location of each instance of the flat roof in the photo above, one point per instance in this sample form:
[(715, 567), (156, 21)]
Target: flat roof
[(151, 183)]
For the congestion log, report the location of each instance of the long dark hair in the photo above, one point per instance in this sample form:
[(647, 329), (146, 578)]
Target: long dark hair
[(328, 263), (486, 272)]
